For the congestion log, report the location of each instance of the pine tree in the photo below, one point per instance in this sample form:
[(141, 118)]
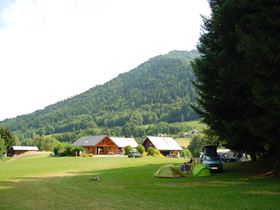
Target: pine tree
[(8, 137), (237, 75)]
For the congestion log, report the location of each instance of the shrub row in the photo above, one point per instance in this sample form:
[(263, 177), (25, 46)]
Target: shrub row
[(66, 149)]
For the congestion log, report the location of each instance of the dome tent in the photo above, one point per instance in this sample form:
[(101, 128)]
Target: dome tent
[(169, 171), (200, 170)]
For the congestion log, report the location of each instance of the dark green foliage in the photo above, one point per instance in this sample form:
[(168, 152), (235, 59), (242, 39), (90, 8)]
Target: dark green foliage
[(196, 145), (128, 130), (127, 149), (186, 153), (153, 151), (199, 140), (211, 137), (237, 75), (76, 151), (44, 143), (59, 150), (140, 148), (159, 90), (3, 148), (66, 149), (8, 137)]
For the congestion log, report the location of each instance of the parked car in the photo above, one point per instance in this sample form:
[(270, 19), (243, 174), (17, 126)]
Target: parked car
[(134, 154), (210, 158), (228, 155), (225, 158)]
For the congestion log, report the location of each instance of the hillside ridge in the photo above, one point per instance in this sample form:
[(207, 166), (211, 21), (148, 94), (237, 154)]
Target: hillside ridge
[(158, 90)]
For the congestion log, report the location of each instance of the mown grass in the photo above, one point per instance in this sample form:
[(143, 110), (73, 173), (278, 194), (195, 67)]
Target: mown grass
[(196, 124), (183, 142), (64, 183)]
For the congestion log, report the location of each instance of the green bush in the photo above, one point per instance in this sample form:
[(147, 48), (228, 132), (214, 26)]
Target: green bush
[(186, 153), (65, 149), (76, 150), (153, 152), (150, 151), (127, 149), (196, 145), (68, 150), (59, 150), (140, 148), (157, 153)]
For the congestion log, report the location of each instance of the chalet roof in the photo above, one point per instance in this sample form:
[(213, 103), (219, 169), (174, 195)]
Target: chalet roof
[(88, 141), (25, 148), (122, 142), (164, 143), (93, 140)]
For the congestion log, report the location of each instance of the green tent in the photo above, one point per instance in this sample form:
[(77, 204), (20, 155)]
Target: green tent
[(169, 171), (200, 170)]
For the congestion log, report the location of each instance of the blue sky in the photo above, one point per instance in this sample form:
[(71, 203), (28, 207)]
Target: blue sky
[(3, 5), (54, 49)]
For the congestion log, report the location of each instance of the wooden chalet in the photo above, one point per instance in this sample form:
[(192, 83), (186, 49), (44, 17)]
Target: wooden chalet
[(166, 145), (104, 145), (18, 150)]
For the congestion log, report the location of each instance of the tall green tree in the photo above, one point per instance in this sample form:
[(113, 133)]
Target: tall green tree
[(8, 137), (45, 143), (237, 74), (3, 149)]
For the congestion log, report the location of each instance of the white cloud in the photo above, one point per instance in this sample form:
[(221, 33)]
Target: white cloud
[(54, 49)]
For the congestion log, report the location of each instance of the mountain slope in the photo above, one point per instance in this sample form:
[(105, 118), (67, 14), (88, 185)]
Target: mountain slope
[(159, 90)]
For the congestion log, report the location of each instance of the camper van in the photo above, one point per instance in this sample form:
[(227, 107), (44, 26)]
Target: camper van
[(210, 158)]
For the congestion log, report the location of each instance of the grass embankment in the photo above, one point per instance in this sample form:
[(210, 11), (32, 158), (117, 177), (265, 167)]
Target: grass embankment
[(183, 142), (40, 182), (195, 124)]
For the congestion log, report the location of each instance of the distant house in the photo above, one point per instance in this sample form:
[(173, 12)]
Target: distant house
[(190, 133), (104, 145), (17, 150), (166, 145), (162, 135)]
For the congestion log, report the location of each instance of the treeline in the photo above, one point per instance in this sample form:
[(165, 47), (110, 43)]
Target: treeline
[(7, 140), (159, 90), (62, 148), (139, 132), (179, 111)]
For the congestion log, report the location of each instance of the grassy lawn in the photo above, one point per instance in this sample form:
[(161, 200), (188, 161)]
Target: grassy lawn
[(196, 124), (183, 142), (40, 182)]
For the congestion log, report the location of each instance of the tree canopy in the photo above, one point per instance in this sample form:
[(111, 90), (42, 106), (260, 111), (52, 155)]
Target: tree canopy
[(3, 149), (237, 75), (7, 139)]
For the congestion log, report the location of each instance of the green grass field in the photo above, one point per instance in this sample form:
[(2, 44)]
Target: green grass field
[(40, 182), (183, 142), (195, 124)]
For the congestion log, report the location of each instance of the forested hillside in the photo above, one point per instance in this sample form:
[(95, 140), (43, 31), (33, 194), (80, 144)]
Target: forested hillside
[(159, 90)]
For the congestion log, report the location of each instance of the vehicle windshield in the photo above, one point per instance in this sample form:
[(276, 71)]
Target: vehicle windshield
[(213, 157), (210, 150)]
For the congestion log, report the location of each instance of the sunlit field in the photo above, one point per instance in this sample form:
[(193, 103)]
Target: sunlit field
[(42, 182)]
